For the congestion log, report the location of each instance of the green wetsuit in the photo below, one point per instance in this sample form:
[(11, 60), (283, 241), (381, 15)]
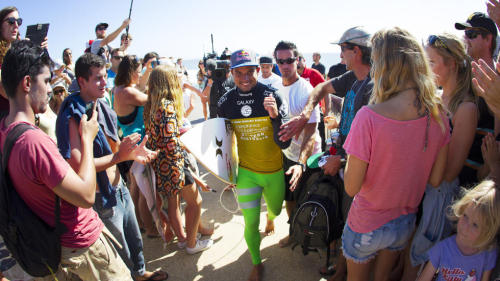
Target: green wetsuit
[(260, 169)]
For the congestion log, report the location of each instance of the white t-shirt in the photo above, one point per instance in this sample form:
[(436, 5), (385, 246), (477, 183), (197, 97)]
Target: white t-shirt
[(295, 97), (272, 81)]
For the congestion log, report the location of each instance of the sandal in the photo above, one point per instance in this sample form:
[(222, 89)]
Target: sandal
[(158, 275), (327, 271)]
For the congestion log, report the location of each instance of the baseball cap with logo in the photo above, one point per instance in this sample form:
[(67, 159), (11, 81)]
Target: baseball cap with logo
[(355, 35), (478, 20), (243, 58)]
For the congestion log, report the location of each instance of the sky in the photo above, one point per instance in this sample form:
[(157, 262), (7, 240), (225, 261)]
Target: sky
[(182, 28)]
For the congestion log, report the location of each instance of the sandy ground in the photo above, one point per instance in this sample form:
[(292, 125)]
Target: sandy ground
[(228, 259)]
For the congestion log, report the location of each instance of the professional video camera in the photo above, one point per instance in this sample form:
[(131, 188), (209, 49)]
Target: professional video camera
[(219, 67)]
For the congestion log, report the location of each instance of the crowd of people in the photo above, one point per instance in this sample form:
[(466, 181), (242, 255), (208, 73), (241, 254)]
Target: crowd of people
[(414, 149)]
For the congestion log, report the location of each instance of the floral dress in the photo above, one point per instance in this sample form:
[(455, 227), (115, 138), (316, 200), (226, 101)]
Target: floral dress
[(163, 133)]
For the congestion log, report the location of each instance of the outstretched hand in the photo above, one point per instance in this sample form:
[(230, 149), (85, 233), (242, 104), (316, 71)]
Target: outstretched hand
[(130, 149), (292, 128), (493, 7), (491, 154), (296, 172), (486, 82)]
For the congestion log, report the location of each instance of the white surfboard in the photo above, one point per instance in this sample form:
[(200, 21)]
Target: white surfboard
[(213, 143)]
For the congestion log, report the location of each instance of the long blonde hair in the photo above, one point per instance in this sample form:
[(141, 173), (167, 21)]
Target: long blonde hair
[(485, 199), (164, 85), (399, 61), (452, 49)]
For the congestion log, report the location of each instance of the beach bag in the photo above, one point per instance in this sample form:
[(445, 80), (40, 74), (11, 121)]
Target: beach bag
[(33, 243), (317, 219)]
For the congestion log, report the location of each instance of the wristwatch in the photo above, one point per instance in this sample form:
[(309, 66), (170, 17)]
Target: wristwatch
[(303, 166)]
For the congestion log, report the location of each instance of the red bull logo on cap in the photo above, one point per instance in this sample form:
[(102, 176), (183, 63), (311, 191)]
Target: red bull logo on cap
[(243, 55)]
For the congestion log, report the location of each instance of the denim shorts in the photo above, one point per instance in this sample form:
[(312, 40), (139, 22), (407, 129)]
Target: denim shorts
[(361, 247)]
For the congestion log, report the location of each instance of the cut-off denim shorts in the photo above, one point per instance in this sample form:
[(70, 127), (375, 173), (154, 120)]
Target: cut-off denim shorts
[(361, 247)]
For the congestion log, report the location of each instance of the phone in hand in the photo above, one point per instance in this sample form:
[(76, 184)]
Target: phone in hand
[(37, 32), (89, 109)]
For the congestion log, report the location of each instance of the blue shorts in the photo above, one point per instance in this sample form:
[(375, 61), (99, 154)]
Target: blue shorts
[(361, 247)]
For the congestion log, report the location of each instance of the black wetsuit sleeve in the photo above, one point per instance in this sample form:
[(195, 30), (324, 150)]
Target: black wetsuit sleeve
[(277, 122)]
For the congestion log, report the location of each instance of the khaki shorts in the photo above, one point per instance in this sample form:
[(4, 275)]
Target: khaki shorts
[(100, 261)]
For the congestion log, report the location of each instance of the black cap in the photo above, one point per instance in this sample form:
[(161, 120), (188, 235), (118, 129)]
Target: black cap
[(101, 24), (265, 60), (479, 20)]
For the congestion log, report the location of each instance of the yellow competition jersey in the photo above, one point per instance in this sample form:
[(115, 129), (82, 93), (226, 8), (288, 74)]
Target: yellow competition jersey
[(259, 149)]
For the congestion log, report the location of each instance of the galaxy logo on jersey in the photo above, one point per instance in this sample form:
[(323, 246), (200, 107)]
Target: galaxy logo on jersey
[(246, 110)]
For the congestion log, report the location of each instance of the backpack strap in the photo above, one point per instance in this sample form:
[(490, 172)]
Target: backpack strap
[(11, 139)]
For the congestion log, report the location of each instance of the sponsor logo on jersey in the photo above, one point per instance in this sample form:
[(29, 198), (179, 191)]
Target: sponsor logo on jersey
[(244, 102), (246, 110)]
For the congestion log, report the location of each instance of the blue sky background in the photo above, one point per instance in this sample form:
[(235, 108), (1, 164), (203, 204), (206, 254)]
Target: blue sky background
[(182, 28)]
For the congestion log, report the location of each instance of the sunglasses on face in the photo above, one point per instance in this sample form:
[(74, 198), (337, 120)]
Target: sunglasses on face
[(13, 20), (343, 48), (58, 92), (286, 61), (101, 28), (473, 33), (117, 57), (436, 41)]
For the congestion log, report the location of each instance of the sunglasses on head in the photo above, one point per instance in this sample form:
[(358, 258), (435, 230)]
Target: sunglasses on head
[(286, 61), (13, 20), (473, 33), (436, 41)]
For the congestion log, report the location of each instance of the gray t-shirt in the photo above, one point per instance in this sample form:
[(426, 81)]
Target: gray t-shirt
[(96, 45)]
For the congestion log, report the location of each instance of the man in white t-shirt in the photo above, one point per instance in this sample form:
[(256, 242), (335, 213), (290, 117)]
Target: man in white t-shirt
[(102, 40), (266, 75), (295, 93)]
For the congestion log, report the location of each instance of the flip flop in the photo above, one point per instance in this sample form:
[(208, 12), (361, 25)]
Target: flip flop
[(158, 276), (327, 271)]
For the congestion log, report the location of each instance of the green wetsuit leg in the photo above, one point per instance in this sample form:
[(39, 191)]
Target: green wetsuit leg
[(249, 187)]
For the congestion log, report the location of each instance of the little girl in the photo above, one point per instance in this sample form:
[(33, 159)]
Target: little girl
[(471, 253)]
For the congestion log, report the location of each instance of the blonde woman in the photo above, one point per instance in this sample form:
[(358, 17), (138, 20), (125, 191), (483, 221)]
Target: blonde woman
[(452, 69), (396, 145), (164, 114)]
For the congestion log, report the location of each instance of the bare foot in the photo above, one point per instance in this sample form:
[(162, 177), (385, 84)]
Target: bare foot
[(269, 227), (205, 230), (284, 242), (257, 272)]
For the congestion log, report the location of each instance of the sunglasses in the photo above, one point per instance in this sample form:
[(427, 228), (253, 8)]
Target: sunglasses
[(58, 92), (117, 57), (473, 33), (101, 28), (286, 61), (13, 20), (436, 41), (345, 47)]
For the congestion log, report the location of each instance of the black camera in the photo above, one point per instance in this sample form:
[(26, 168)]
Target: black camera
[(218, 69)]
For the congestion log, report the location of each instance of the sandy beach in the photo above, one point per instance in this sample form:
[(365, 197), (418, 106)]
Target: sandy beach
[(228, 259)]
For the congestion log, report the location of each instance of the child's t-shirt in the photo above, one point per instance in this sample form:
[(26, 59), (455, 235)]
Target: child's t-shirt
[(453, 265)]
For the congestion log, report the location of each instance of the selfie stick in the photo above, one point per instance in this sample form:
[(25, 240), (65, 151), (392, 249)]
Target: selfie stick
[(129, 13)]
